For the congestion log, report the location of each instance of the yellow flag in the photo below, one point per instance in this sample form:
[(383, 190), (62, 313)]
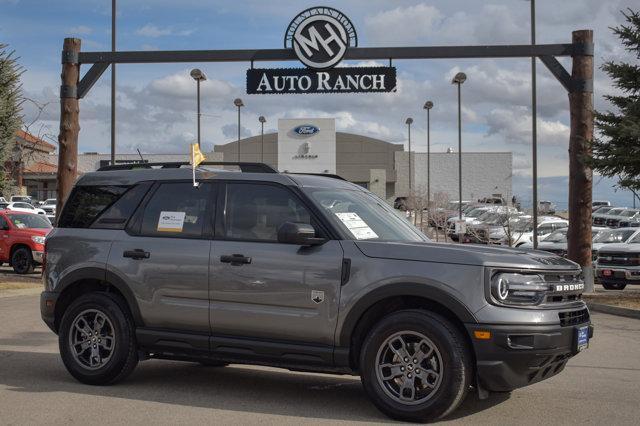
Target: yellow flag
[(197, 156)]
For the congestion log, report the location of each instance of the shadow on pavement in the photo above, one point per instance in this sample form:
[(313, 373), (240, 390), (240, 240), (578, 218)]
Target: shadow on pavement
[(234, 388)]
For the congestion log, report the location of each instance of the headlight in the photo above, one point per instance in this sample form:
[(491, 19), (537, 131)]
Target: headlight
[(514, 289), (38, 239)]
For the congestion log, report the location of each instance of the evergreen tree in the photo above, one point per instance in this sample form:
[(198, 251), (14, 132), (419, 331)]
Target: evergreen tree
[(10, 118), (617, 152)]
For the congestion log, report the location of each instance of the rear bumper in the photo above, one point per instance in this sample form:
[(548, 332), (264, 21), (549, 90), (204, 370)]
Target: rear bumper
[(48, 300), (629, 275), (518, 356)]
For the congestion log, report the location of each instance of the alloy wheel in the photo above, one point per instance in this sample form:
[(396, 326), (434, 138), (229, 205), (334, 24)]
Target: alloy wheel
[(92, 339)]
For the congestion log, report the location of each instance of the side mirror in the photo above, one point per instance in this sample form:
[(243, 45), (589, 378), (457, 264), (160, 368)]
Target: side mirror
[(301, 234)]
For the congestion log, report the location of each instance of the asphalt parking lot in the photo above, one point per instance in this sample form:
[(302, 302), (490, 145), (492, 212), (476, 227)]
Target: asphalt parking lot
[(600, 385)]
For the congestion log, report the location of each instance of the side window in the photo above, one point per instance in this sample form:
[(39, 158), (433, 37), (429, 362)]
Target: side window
[(3, 223), (544, 229), (255, 212), (116, 216), (560, 225), (176, 210), (86, 203)]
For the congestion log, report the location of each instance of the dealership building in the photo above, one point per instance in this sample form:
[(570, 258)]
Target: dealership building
[(312, 145)]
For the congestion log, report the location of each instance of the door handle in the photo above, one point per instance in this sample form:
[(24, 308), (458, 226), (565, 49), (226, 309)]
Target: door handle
[(235, 259), (136, 254)]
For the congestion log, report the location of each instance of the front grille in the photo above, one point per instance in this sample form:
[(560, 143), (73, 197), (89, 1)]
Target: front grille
[(574, 317), (598, 221), (619, 259), (613, 222)]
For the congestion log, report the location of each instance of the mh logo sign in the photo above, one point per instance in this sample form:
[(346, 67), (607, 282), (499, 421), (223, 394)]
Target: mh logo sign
[(320, 37), (306, 130)]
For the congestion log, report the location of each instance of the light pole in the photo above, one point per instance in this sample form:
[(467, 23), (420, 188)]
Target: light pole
[(238, 102), (113, 84), (262, 120), (198, 76), (534, 129), (408, 122), (428, 105), (459, 79)]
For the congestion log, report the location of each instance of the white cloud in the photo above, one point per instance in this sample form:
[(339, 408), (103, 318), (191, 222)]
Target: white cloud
[(403, 24), (80, 30), (150, 30), (515, 126)]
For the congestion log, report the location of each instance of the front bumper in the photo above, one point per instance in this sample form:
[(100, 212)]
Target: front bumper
[(48, 300), (517, 356), (616, 274), (37, 256)]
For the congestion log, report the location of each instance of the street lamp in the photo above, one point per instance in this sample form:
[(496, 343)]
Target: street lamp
[(198, 76), (408, 122), (428, 105), (459, 79), (238, 102), (262, 120)]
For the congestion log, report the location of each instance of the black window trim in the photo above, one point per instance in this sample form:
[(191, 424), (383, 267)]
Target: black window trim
[(134, 227), (219, 235)]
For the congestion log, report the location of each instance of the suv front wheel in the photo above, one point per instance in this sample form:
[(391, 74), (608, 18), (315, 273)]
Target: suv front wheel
[(415, 366), (97, 339)]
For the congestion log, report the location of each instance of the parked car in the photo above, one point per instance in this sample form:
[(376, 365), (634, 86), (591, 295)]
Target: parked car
[(49, 207), (400, 203), (600, 203), (627, 215), (21, 199), (600, 219), (612, 236), (253, 268), (546, 207), (3, 200), (556, 242), (24, 207), (22, 238), (523, 232), (618, 265)]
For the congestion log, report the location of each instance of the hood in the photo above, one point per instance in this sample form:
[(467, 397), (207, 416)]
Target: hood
[(464, 254), (619, 248), (28, 232)]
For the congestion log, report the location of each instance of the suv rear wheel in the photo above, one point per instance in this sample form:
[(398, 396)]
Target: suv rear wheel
[(415, 366), (97, 339)]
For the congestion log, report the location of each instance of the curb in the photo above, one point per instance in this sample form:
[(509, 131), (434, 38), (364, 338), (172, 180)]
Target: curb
[(614, 310)]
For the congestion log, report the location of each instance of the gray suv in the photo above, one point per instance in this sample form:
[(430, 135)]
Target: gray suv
[(305, 272)]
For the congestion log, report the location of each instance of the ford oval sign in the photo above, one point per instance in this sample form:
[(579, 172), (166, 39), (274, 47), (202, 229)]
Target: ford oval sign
[(306, 130)]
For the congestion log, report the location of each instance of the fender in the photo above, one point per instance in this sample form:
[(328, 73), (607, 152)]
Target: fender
[(401, 289), (108, 277)]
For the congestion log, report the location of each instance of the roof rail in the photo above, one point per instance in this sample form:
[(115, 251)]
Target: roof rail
[(329, 175), (243, 166)]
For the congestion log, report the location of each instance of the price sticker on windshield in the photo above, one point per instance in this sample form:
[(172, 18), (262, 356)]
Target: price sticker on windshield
[(358, 227)]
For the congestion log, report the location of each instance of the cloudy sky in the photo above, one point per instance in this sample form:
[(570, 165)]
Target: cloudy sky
[(156, 108)]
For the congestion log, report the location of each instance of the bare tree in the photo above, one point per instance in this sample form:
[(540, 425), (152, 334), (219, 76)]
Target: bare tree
[(438, 213)]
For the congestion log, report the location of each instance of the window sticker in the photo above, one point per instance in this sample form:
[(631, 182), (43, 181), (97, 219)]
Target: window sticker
[(358, 227), (20, 225), (171, 221)]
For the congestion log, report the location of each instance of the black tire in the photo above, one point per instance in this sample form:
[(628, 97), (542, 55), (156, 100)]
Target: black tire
[(613, 286), (22, 261), (124, 355), (455, 359)]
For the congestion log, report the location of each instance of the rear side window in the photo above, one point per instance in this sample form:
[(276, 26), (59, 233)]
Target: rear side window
[(86, 203), (117, 215), (177, 210)]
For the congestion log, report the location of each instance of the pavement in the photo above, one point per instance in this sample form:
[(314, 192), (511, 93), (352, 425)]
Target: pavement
[(600, 385)]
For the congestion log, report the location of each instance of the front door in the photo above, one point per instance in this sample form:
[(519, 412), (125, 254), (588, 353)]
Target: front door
[(263, 289), (4, 239), (166, 260)]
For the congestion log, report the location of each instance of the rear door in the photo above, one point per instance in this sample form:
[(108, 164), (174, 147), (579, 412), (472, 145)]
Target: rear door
[(164, 257), (263, 289), (4, 239)]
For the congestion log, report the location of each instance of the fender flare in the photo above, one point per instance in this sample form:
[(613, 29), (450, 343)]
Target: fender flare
[(422, 290), (108, 278)]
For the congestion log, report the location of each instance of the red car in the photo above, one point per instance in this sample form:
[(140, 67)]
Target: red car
[(22, 239)]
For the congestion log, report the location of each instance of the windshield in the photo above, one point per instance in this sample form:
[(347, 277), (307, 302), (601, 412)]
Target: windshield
[(475, 212), (635, 240), (362, 216), (557, 237), (628, 213), (603, 210), (29, 221), (614, 236), (497, 219), (525, 225), (615, 212)]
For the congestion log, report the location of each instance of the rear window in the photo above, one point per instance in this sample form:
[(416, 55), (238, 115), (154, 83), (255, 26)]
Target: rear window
[(86, 203)]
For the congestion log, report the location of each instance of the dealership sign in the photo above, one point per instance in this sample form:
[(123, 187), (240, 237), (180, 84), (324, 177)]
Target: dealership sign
[(320, 37), (306, 130)]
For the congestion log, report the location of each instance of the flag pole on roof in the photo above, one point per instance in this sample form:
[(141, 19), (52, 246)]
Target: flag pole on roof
[(197, 157)]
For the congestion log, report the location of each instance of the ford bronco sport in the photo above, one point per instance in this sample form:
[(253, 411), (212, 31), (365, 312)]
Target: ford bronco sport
[(304, 272)]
